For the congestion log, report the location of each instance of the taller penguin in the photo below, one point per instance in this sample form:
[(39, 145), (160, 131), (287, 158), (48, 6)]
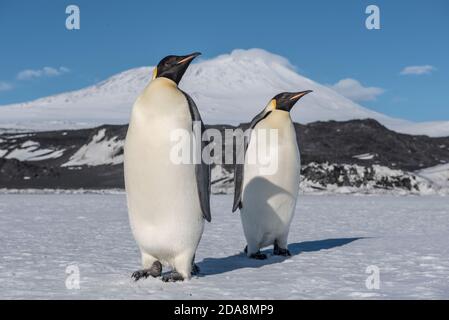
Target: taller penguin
[(167, 201), (266, 191)]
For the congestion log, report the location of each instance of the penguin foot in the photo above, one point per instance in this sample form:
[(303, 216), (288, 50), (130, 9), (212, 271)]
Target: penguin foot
[(277, 251), (195, 269), (258, 256), (155, 271), (139, 274), (172, 277)]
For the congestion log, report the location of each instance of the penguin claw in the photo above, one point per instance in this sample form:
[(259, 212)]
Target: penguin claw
[(139, 274), (155, 271), (172, 277), (258, 256), (281, 252)]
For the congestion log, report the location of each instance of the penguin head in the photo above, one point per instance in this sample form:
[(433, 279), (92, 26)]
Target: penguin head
[(286, 100), (174, 67)]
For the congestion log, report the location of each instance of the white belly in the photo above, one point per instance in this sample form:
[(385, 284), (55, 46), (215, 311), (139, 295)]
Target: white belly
[(163, 202), (269, 200)]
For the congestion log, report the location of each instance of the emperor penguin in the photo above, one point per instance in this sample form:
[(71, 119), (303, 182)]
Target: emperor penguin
[(167, 201), (267, 198)]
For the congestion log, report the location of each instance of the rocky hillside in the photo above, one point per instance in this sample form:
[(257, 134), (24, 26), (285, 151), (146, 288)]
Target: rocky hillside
[(348, 156)]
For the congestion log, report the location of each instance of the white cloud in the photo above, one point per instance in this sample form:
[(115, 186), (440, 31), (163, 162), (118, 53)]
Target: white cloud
[(44, 72), (426, 69), (4, 86), (352, 89)]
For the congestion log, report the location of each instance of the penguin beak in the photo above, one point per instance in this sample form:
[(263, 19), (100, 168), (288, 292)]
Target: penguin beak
[(296, 96), (286, 100), (189, 57)]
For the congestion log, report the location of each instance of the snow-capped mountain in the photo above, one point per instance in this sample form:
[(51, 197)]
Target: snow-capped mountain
[(230, 89)]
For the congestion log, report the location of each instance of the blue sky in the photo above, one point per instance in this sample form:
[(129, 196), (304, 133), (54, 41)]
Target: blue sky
[(326, 40)]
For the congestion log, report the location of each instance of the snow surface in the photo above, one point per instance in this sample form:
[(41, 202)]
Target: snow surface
[(368, 180), (99, 151), (31, 151), (230, 88), (333, 240), (352, 179), (437, 174), (364, 156)]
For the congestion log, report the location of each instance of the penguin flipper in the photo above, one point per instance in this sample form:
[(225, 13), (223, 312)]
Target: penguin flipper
[(202, 170), (239, 167), (238, 184)]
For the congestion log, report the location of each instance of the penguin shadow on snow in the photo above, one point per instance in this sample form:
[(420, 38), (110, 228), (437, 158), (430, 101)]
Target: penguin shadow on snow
[(214, 266), (266, 190)]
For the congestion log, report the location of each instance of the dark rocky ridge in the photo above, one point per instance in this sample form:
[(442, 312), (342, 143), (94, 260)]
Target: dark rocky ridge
[(339, 142), (320, 142)]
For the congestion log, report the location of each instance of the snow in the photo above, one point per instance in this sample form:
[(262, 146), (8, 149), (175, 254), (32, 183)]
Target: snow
[(332, 178), (437, 174), (333, 240), (222, 181), (19, 136), (31, 151), (29, 143), (364, 156), (99, 151), (230, 88), (50, 154)]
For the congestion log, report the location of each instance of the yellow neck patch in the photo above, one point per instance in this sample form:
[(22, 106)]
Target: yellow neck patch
[(154, 73), (272, 105)]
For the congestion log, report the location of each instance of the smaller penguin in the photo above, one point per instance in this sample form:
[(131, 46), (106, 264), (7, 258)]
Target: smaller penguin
[(267, 200)]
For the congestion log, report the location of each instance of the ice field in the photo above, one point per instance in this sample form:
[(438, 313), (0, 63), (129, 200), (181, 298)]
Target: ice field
[(333, 239)]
